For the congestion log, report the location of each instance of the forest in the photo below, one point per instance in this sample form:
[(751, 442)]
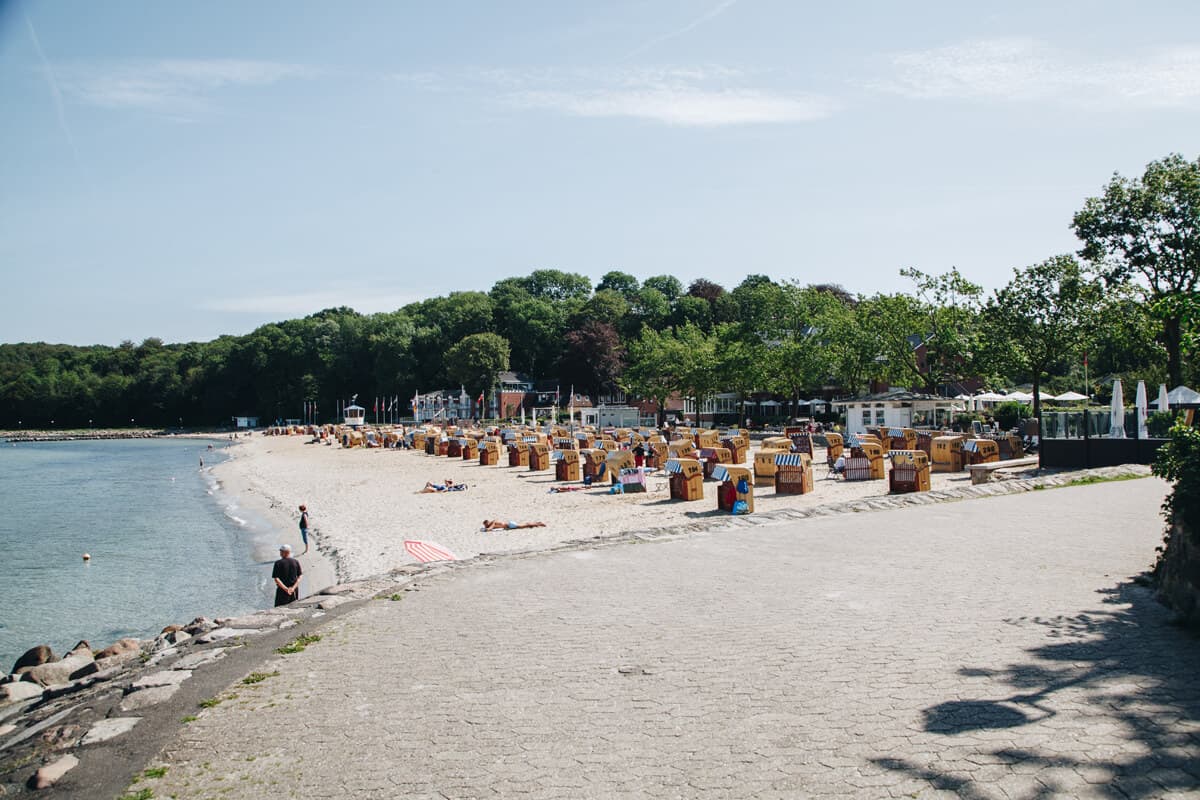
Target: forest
[(1125, 303)]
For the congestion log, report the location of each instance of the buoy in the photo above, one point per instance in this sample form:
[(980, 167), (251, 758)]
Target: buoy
[(87, 556)]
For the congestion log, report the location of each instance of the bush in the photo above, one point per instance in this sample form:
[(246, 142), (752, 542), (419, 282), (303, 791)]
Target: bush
[(1159, 423), (1179, 461), (1007, 415)]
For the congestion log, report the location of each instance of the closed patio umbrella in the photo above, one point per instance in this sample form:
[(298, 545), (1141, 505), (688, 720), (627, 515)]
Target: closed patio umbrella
[(1117, 428), (1141, 405), (1164, 404)]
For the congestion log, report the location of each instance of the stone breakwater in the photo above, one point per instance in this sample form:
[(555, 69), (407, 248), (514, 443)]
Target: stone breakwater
[(59, 713), (18, 437)]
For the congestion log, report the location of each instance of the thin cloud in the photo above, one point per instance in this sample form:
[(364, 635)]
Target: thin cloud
[(1023, 69), (683, 106), (175, 85), (55, 93), (363, 299), (703, 96), (713, 12)]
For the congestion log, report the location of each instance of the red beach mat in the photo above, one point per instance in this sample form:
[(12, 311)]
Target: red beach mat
[(427, 551)]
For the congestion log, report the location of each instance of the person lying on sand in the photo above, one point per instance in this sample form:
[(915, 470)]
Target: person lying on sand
[(509, 525), (448, 486), (560, 489)]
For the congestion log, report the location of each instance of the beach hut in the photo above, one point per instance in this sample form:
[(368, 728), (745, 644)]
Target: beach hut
[(764, 464), (470, 449), (737, 447), (539, 456), (793, 473), (901, 439), (909, 473), (631, 479), (355, 416), (681, 448), (980, 451), (594, 463), (736, 484), (567, 465), (711, 456), (707, 438), (686, 479), (872, 452), (518, 453), (489, 453), (947, 455), (801, 440), (616, 463), (657, 453), (833, 447)]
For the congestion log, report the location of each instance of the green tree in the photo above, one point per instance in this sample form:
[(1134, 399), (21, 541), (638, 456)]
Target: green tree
[(622, 283), (652, 372), (477, 361), (1041, 318), (1148, 230)]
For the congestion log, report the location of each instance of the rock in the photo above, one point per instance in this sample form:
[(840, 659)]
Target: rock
[(340, 588), (263, 619), (171, 629), (332, 602), (147, 697), (18, 691), (221, 634), (110, 728), (166, 677), (50, 774), (200, 658), (200, 625), (61, 671), (175, 637), (161, 655), (99, 671), (33, 657), (120, 648)]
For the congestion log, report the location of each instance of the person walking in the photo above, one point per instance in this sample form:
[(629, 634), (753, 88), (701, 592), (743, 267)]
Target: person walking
[(304, 527), (286, 575)]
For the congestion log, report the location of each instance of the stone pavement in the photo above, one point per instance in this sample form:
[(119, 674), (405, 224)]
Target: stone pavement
[(994, 648)]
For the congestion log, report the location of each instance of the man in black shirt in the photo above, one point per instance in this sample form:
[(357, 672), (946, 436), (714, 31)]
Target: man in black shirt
[(287, 576)]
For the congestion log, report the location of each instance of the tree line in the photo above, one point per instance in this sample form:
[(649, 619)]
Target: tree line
[(1126, 303)]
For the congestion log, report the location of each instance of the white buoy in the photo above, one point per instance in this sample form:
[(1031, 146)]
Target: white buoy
[(87, 556)]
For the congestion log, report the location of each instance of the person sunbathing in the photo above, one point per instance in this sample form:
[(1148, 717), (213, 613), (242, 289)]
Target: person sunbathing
[(448, 486), (509, 525)]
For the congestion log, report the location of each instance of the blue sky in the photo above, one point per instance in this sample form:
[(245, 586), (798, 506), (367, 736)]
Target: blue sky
[(184, 170)]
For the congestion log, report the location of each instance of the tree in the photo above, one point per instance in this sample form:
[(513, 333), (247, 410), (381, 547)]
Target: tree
[(948, 305), (620, 282), (1148, 230), (669, 285), (1040, 318), (594, 358), (477, 360), (652, 372)]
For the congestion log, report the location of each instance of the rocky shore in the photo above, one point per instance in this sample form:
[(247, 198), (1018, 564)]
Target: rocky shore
[(65, 717)]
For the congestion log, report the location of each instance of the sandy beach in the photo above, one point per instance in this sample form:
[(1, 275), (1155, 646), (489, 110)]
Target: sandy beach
[(363, 503)]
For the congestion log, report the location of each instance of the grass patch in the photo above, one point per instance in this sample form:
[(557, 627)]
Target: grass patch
[(154, 773), (396, 596), (189, 718), (1087, 480), (211, 702), (298, 644), (143, 794), (258, 677)]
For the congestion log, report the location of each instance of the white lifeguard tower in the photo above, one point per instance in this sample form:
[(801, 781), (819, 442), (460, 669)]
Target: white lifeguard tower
[(355, 416)]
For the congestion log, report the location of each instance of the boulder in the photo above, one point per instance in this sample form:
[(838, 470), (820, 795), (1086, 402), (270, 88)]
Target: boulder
[(122, 648), (147, 697), (221, 634), (166, 677), (33, 657), (106, 729), (50, 774), (18, 691), (200, 658), (332, 602), (199, 625), (171, 629), (175, 637), (340, 588), (61, 671)]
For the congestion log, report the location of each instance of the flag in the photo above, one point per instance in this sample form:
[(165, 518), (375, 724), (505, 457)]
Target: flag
[(1085, 358), (481, 398)]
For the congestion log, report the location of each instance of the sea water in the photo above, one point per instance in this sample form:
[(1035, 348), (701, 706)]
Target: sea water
[(165, 544)]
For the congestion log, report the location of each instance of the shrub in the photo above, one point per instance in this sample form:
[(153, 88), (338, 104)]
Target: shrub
[(1010, 413), (1159, 423), (1179, 461)]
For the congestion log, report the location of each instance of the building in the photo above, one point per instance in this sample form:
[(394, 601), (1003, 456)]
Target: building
[(245, 422), (898, 408)]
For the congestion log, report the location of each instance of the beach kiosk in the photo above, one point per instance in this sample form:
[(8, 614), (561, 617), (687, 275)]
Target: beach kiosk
[(686, 478), (354, 416), (793, 473), (910, 472), (947, 455), (736, 484), (567, 466), (539, 456), (518, 453), (489, 453)]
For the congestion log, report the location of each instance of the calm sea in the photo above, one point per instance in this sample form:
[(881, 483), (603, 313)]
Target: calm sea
[(165, 545)]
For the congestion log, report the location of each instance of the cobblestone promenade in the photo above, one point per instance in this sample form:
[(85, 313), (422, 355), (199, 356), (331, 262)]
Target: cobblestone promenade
[(991, 648)]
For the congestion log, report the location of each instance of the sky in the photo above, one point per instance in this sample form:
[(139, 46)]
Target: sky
[(187, 170)]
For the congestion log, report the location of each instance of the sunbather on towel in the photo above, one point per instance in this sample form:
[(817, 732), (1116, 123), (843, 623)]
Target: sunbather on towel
[(448, 486), (560, 489), (509, 525)]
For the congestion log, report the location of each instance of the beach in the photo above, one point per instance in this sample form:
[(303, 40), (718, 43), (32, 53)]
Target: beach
[(364, 503)]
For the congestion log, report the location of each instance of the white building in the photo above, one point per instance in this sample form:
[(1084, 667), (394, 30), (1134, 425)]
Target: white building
[(898, 409)]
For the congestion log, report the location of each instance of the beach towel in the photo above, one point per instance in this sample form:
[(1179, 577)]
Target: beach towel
[(427, 551)]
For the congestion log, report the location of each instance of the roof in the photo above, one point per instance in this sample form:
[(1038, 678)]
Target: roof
[(893, 396)]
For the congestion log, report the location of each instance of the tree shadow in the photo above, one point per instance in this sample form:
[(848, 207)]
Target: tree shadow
[(1124, 673)]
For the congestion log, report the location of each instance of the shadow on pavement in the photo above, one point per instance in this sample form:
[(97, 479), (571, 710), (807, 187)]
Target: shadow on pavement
[(1122, 684)]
